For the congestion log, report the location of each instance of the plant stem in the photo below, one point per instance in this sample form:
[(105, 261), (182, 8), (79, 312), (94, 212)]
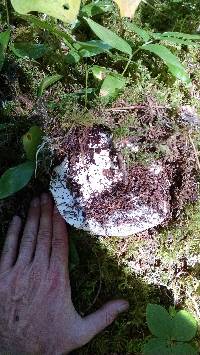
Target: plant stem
[(129, 61), (7, 13), (86, 85)]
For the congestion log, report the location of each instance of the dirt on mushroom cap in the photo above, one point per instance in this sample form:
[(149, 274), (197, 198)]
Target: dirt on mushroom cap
[(156, 184)]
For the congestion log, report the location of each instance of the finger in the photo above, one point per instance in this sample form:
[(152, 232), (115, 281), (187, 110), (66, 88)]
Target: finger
[(96, 322), (43, 243), (59, 251), (9, 252), (28, 242)]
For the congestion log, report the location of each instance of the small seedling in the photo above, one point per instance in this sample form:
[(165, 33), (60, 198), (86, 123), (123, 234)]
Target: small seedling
[(14, 179), (172, 331)]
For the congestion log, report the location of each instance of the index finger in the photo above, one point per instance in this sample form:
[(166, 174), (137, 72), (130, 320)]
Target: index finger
[(60, 250)]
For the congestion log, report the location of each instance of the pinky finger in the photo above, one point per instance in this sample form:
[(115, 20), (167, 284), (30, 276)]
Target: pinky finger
[(9, 252)]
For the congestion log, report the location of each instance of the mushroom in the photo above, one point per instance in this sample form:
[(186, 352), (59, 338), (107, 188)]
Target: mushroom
[(95, 192)]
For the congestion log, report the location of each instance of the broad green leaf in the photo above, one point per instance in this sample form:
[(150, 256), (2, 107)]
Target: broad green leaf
[(184, 326), (72, 57), (166, 36), (173, 63), (4, 40), (174, 40), (92, 48), (31, 140), (64, 10), (109, 37), (99, 72), (159, 321), (112, 85), (30, 50), (183, 349), (144, 35), (128, 7), (96, 8), (194, 37), (44, 25), (48, 81), (156, 346), (14, 179)]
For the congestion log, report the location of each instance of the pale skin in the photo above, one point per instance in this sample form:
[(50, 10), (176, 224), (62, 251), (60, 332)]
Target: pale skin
[(37, 315)]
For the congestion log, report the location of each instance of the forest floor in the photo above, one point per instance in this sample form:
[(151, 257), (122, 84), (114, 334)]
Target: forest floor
[(161, 265)]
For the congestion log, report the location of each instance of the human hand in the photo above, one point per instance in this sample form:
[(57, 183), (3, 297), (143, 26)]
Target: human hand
[(37, 315)]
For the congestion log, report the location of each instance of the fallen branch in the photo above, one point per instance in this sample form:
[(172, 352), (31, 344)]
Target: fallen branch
[(132, 107)]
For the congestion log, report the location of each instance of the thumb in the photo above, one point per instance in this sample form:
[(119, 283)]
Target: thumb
[(97, 321)]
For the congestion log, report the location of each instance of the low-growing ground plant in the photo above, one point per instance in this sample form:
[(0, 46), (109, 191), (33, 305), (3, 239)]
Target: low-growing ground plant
[(172, 331), (15, 178), (107, 82), (84, 64)]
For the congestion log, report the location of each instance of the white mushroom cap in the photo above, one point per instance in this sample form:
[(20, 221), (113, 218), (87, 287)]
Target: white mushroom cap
[(97, 171)]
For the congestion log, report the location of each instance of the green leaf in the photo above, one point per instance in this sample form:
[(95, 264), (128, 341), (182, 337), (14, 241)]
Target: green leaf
[(173, 63), (112, 85), (99, 72), (64, 10), (159, 321), (92, 48), (48, 81), (166, 36), (184, 326), (144, 35), (14, 179), (172, 311), (72, 57), (183, 349), (96, 8), (31, 140), (4, 40), (194, 37), (180, 41), (30, 50), (109, 37), (156, 346)]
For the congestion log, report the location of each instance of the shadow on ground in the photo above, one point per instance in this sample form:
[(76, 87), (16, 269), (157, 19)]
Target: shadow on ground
[(172, 15)]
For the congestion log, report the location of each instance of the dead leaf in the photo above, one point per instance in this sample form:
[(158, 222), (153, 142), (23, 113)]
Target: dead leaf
[(128, 7)]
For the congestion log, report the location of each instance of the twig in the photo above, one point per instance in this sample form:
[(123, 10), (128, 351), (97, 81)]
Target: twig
[(195, 151), (132, 107)]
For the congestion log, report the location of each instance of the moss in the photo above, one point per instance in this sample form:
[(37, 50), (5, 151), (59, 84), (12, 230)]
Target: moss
[(157, 266)]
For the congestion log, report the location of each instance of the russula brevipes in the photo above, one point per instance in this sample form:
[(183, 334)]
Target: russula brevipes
[(95, 192)]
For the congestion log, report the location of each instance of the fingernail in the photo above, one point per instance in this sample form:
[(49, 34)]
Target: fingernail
[(44, 199), (35, 202), (123, 306)]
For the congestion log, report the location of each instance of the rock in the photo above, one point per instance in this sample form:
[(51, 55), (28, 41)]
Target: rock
[(95, 192)]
